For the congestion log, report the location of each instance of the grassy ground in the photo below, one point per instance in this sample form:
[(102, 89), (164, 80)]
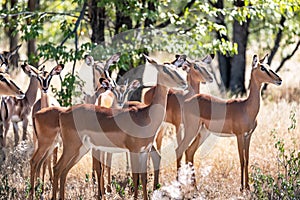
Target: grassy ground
[(216, 163)]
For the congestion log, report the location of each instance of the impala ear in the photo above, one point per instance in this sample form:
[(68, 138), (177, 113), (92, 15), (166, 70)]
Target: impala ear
[(57, 69), (186, 66), (89, 60), (254, 61), (150, 60), (265, 59), (208, 59), (104, 83), (180, 59), (134, 84), (14, 51), (112, 60), (29, 70)]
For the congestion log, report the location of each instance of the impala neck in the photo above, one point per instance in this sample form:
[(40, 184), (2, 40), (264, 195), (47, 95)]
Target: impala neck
[(44, 100), (253, 101), (159, 103), (193, 87), (31, 92)]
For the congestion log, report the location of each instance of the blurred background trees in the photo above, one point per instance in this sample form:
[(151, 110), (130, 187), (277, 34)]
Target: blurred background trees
[(64, 31)]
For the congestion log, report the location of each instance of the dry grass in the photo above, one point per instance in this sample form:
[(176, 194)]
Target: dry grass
[(216, 163)]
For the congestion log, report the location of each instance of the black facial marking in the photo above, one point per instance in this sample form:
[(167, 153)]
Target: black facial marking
[(167, 72)]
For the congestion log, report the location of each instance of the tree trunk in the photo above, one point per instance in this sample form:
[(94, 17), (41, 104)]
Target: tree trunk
[(123, 23), (223, 60), (151, 7), (31, 44), (238, 62), (97, 22), (121, 18), (13, 38)]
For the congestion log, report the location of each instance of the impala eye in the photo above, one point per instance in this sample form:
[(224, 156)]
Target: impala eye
[(262, 68)]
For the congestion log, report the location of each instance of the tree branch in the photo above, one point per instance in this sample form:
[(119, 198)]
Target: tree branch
[(168, 21), (77, 23), (30, 14), (277, 40), (288, 57)]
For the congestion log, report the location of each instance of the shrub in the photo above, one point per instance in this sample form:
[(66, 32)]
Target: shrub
[(286, 183)]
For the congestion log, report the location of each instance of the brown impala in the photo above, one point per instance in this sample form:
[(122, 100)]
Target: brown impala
[(235, 117)]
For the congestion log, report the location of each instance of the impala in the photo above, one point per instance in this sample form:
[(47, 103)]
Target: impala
[(196, 74), (111, 130), (9, 88), (46, 136), (5, 58), (44, 78), (112, 98), (237, 117), (18, 109), (116, 98)]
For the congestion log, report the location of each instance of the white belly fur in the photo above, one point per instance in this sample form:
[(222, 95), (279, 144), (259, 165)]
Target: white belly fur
[(15, 118), (86, 141), (222, 134)]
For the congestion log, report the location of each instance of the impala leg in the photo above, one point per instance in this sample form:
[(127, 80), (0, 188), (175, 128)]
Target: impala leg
[(48, 162), (159, 137), (127, 162), (190, 133), (143, 157), (95, 155), (247, 145), (108, 168), (156, 158), (6, 128), (178, 134), (82, 151), (55, 151), (101, 172), (189, 155), (98, 168), (68, 154), (45, 164), (24, 125), (35, 162), (2, 135), (134, 160), (198, 141), (241, 148), (16, 133)]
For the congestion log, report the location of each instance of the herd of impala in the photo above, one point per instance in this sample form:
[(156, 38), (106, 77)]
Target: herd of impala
[(108, 123)]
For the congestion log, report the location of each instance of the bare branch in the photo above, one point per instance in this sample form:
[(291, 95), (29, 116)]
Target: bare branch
[(30, 14), (288, 57), (277, 40), (77, 23)]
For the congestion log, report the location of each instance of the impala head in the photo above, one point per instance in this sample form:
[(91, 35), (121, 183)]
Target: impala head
[(43, 76), (101, 69), (262, 73), (5, 58), (180, 59), (168, 74), (8, 87), (121, 92), (197, 71), (96, 65)]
